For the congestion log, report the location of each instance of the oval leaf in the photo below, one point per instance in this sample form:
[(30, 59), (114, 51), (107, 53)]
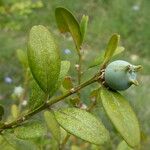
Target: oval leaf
[(122, 116), (68, 23), (43, 57), (52, 125), (111, 47), (30, 130), (83, 125), (65, 65)]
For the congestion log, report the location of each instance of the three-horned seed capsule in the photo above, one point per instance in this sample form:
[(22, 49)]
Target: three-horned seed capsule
[(120, 75)]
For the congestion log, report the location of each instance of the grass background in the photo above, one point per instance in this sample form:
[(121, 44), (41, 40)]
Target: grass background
[(128, 18)]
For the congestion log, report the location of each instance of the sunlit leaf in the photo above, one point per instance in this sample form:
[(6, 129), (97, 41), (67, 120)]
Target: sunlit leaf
[(83, 125), (83, 25), (124, 146), (122, 116), (52, 125), (65, 65), (43, 57), (111, 47), (30, 130), (1, 112), (68, 23), (37, 96)]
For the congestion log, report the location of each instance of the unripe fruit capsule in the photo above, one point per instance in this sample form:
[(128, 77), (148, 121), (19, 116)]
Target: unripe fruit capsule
[(120, 75)]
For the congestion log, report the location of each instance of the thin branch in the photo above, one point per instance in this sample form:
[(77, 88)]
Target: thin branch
[(49, 103)]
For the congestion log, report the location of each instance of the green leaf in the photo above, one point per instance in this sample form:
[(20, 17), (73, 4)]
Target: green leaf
[(1, 112), (43, 57), (83, 125), (124, 146), (52, 125), (68, 23), (83, 25), (122, 116), (22, 56), (65, 66), (18, 144), (111, 47), (37, 96), (30, 130)]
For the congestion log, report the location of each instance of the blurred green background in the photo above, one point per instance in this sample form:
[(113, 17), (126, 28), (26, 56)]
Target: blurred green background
[(130, 19)]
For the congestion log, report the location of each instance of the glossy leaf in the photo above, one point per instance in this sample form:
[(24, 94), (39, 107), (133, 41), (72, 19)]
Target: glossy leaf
[(83, 25), (122, 116), (124, 146), (37, 96), (18, 144), (43, 57), (52, 125), (65, 66), (30, 130), (83, 125), (111, 47), (1, 112), (68, 23)]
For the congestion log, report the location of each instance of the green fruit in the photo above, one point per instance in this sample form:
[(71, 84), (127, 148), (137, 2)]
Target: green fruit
[(120, 75)]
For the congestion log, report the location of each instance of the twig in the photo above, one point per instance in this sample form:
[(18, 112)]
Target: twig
[(48, 103)]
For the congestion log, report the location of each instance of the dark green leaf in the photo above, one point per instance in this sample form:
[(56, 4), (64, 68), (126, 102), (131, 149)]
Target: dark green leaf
[(83, 125), (30, 130), (37, 96), (65, 65), (52, 125), (122, 116), (67, 23), (43, 56), (1, 112), (83, 25), (124, 146), (111, 47)]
